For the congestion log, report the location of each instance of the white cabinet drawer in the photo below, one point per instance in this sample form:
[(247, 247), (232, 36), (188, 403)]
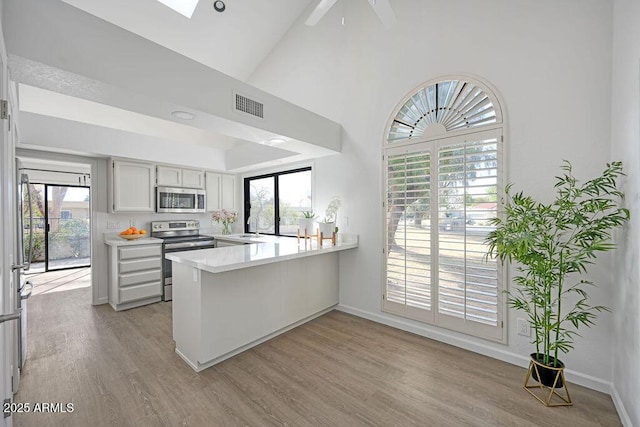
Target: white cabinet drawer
[(129, 279), (139, 265), (137, 292), (139, 251)]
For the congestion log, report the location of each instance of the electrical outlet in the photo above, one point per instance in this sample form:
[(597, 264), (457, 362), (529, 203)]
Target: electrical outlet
[(345, 221), (132, 223), (523, 328), (113, 225)]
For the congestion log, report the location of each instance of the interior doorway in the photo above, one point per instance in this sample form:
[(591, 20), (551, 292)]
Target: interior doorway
[(61, 224)]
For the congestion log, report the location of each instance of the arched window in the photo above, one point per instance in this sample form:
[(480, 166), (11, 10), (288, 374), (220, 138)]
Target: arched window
[(443, 166)]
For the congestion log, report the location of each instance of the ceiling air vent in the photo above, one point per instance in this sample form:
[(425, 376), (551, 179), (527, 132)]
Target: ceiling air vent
[(249, 106)]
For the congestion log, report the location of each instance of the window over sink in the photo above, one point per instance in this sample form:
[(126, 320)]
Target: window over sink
[(273, 203)]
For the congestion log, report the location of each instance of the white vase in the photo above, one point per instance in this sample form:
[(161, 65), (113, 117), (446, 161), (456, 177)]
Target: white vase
[(327, 228), (306, 224)]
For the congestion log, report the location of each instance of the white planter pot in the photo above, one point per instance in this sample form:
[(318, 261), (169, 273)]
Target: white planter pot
[(326, 228), (306, 224)]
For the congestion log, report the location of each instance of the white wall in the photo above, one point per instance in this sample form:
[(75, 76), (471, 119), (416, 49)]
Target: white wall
[(550, 60), (626, 145)]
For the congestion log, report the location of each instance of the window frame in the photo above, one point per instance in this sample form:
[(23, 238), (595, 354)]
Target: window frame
[(276, 195), (435, 141)]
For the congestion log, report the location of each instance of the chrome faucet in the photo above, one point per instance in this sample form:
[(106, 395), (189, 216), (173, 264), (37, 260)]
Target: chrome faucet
[(253, 220)]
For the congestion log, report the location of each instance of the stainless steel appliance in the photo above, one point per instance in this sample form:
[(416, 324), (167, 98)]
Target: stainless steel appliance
[(180, 200), (23, 243), (178, 236)]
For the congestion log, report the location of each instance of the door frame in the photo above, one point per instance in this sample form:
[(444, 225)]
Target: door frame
[(98, 192), (46, 225)]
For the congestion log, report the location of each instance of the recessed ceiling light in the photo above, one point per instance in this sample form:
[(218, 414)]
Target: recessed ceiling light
[(183, 7), (184, 115), (219, 6), (274, 141)]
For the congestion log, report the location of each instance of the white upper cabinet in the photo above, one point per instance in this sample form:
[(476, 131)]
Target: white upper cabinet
[(169, 176), (132, 186), (221, 192), (177, 177), (229, 192), (213, 180), (192, 178)]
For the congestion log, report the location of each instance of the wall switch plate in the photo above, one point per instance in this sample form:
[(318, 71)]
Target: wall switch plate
[(523, 328)]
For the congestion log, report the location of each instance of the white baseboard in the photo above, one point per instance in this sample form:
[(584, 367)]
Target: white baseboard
[(103, 300), (447, 337), (622, 412)]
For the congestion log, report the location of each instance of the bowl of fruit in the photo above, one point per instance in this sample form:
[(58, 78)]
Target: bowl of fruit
[(133, 233)]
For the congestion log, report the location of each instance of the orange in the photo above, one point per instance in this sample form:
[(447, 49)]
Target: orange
[(143, 231), (128, 232), (135, 232)]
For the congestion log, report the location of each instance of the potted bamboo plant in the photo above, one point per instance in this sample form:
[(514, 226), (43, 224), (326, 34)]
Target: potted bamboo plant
[(551, 246)]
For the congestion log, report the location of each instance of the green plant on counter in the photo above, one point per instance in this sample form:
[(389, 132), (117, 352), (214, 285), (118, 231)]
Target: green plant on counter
[(308, 214)]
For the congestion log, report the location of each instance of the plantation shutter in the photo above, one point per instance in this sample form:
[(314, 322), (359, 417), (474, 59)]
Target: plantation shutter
[(408, 260), (443, 172), (468, 289), (440, 196)]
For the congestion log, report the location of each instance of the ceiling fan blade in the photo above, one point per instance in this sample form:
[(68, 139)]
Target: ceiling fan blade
[(384, 12), (321, 9)]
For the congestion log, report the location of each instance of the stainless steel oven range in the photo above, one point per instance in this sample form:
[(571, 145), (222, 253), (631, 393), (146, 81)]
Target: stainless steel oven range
[(178, 236)]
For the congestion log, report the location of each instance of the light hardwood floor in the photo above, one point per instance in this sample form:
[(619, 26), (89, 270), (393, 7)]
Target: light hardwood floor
[(120, 369)]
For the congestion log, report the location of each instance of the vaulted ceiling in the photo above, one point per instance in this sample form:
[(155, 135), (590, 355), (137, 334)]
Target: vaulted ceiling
[(116, 70), (234, 42)]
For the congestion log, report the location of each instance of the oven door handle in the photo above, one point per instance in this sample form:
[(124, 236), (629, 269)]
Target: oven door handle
[(175, 247)]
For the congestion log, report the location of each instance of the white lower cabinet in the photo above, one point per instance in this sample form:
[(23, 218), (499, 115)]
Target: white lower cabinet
[(135, 275)]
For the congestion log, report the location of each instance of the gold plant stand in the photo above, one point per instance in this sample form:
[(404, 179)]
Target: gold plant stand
[(306, 236), (545, 393), (322, 237)]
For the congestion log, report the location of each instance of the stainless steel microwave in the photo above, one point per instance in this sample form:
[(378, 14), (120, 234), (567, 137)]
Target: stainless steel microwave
[(180, 200)]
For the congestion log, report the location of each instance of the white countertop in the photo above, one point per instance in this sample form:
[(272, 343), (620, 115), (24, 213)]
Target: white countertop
[(250, 238), (267, 249), (119, 241)]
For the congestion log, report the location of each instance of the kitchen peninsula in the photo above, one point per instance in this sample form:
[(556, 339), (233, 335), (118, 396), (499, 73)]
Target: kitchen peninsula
[(229, 299)]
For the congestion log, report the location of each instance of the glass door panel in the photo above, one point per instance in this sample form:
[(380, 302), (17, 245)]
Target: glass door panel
[(68, 236), (262, 200)]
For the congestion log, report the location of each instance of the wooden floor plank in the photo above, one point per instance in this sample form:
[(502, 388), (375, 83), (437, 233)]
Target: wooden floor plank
[(120, 369)]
